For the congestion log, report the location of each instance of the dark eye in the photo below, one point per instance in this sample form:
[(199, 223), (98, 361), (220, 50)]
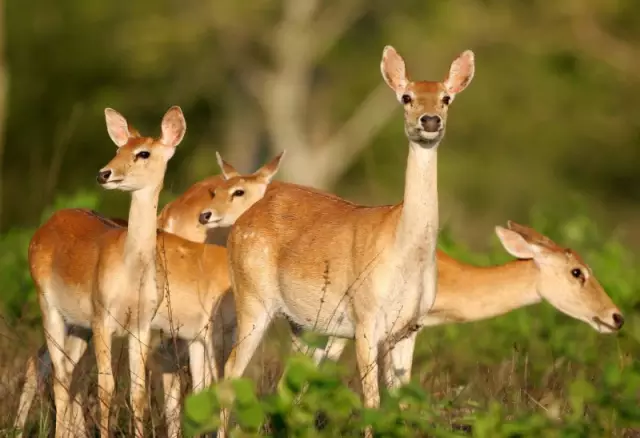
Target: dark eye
[(577, 273), (143, 154), (406, 99), (212, 193), (238, 192), (446, 100)]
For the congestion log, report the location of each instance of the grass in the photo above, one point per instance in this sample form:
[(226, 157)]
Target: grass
[(533, 372)]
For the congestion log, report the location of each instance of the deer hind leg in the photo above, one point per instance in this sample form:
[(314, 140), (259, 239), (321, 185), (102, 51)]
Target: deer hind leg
[(166, 364), (76, 345), (197, 365), (38, 371), (397, 361), (172, 411), (253, 320), (55, 333)]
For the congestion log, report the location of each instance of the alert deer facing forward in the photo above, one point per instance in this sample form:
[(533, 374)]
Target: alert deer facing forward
[(181, 218), (343, 269), (92, 273)]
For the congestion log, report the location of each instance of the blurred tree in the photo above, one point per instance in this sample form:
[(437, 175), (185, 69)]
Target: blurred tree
[(551, 113)]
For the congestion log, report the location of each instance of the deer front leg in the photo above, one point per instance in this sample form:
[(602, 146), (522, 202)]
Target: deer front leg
[(102, 333), (366, 344), (139, 341)]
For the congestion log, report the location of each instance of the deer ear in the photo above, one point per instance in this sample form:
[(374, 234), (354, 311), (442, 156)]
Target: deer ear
[(461, 73), (173, 127), (515, 244), (393, 70), (117, 127), (228, 171), (269, 170)]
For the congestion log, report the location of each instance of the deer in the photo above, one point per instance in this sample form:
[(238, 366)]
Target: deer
[(543, 270), (107, 262), (342, 269), (179, 217)]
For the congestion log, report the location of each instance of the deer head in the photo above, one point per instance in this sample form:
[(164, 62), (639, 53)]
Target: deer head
[(237, 193), (140, 162), (426, 103), (564, 280)]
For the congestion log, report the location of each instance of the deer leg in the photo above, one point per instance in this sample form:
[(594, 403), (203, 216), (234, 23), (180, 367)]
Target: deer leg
[(253, 321), (366, 343)]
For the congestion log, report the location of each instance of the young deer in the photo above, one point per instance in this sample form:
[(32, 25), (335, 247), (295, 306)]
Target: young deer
[(181, 218), (343, 269), (544, 271), (90, 272)]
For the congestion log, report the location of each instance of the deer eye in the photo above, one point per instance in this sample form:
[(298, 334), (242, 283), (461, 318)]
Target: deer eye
[(238, 192), (212, 193), (446, 100), (143, 154), (406, 99), (577, 273)]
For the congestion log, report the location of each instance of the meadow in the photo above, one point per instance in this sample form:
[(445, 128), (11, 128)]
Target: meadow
[(533, 372)]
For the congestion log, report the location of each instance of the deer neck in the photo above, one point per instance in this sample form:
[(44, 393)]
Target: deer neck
[(418, 222), (472, 293), (140, 242)]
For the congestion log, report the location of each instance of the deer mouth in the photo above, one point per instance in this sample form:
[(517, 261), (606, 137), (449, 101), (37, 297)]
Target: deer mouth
[(419, 135), (602, 326), (112, 184)]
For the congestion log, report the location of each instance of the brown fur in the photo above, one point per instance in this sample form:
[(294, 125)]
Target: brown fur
[(340, 268), (172, 256)]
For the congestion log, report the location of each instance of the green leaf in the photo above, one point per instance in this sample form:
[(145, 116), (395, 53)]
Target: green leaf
[(314, 340), (250, 416), (201, 412), (244, 390), (299, 369)]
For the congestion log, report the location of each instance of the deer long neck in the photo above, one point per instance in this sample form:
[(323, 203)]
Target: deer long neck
[(470, 293), (418, 223), (140, 243)]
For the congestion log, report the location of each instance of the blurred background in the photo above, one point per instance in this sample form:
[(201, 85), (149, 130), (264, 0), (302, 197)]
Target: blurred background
[(551, 118), (546, 134)]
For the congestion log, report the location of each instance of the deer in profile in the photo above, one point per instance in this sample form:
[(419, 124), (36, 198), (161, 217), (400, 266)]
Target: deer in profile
[(343, 269), (179, 217), (543, 270)]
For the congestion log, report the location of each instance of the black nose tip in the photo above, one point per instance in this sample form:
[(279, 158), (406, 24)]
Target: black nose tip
[(204, 217), (430, 123), (103, 176), (618, 320)]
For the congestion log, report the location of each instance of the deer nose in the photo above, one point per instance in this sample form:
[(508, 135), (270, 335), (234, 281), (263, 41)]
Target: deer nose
[(103, 176), (430, 123), (618, 320), (204, 217)]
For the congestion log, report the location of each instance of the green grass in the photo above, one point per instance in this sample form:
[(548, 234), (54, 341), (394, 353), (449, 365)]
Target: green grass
[(534, 372)]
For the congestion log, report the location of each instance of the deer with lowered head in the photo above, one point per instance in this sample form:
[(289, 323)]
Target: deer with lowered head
[(343, 269), (543, 270), (178, 217)]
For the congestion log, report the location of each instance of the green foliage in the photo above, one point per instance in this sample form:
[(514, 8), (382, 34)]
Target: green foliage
[(533, 372)]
